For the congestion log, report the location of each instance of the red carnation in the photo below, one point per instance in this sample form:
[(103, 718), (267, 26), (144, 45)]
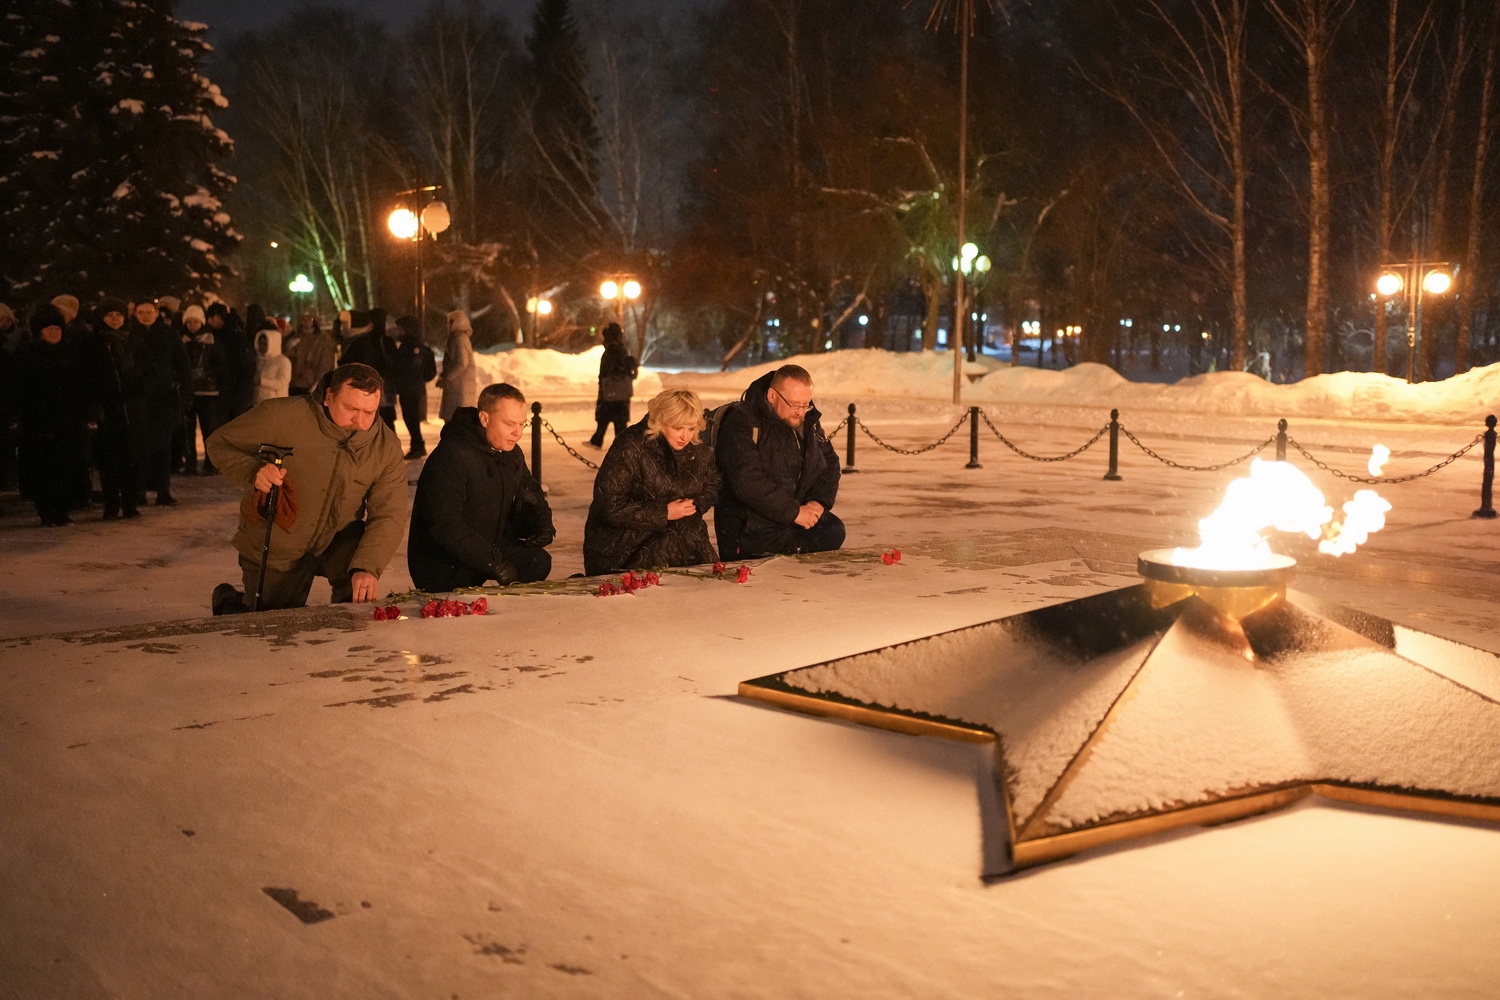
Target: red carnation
[(718, 569), (481, 606), (743, 575)]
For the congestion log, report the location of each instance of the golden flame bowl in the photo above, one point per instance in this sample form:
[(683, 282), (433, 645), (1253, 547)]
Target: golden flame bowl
[(1235, 591)]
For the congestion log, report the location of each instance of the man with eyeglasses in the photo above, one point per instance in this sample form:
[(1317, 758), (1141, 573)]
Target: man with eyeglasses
[(781, 474)]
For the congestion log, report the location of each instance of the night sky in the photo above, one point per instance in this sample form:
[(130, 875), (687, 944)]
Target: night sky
[(227, 18)]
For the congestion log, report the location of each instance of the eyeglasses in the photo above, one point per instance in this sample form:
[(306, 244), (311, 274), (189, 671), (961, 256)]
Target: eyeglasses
[(794, 407)]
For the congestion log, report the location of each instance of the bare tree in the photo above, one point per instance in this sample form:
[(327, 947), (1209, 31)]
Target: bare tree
[(460, 83), (1312, 25), (1483, 136), (1201, 57), (1399, 104)]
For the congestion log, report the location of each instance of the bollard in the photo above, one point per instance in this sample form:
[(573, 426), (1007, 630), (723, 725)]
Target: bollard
[(849, 445), (1114, 447), (1281, 440), (973, 439), (536, 442), (1487, 486)]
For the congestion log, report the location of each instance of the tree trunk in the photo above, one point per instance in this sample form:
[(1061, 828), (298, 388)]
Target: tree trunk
[(1476, 201), (1315, 344)]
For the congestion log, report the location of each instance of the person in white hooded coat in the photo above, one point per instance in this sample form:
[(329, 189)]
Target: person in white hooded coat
[(273, 370), (460, 378)]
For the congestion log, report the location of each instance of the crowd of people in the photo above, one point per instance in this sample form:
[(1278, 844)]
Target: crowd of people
[(304, 421), (105, 404)]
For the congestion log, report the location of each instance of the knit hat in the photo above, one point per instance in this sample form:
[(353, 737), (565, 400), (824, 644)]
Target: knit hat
[(44, 317), (67, 305), (194, 312), (169, 302), (113, 304)]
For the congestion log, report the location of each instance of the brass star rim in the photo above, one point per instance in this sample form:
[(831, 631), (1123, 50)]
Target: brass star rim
[(1035, 839)]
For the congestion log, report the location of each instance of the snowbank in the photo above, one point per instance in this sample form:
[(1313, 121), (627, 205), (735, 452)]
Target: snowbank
[(872, 374), (545, 373), (857, 374), (1464, 399)]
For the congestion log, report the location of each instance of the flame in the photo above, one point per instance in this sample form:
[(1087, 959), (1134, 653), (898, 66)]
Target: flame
[(1363, 516), (1379, 455), (1279, 495)]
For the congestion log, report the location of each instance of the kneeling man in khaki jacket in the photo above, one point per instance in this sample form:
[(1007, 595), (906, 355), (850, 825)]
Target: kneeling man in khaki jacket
[(341, 493)]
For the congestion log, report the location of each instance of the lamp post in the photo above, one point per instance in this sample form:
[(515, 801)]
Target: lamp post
[(969, 263), (537, 306), (619, 291), (426, 220), (1413, 279)]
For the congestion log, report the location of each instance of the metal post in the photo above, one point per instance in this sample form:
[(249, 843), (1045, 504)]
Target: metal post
[(849, 443), (1114, 447), (1487, 486), (1281, 440), (536, 442), (973, 439)]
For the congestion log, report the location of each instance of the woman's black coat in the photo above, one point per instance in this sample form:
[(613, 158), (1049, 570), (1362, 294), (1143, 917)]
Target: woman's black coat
[(627, 527)]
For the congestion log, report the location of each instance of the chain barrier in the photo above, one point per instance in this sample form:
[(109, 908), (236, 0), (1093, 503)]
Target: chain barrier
[(913, 451), (1386, 480), (1324, 466), (1199, 468), (1043, 458), (567, 447)]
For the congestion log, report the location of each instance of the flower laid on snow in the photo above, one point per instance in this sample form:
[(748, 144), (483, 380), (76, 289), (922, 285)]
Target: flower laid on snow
[(891, 557), (389, 613), (454, 609), (629, 584), (743, 575), (718, 569)]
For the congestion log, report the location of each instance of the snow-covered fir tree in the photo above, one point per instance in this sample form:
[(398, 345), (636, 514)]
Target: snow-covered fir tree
[(113, 175)]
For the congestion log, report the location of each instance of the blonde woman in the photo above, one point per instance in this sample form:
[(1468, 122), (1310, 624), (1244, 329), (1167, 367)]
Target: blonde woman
[(652, 490)]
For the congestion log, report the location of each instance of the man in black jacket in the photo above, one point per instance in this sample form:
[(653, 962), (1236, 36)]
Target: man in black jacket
[(478, 514), (781, 475)]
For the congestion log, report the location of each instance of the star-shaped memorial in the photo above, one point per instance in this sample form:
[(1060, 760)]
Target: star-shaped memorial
[(1113, 718)]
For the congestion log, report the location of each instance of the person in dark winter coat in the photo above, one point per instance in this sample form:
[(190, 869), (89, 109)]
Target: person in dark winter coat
[(617, 372), (110, 367), (415, 366), (156, 395), (781, 474), (237, 350), (375, 348), (652, 492), (206, 363), (11, 336), (478, 513), (52, 404)]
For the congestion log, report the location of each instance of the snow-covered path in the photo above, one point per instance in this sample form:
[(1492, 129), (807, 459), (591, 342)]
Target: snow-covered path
[(565, 798)]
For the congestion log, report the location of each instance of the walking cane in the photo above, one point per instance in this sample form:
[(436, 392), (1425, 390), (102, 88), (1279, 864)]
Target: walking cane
[(272, 454)]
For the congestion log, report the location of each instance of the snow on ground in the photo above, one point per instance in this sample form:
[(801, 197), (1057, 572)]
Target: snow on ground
[(565, 798), (928, 375)]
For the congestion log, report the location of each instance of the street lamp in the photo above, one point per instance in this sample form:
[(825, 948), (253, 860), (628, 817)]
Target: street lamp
[(1414, 278), (619, 291), (537, 306), (968, 262), (425, 221)]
